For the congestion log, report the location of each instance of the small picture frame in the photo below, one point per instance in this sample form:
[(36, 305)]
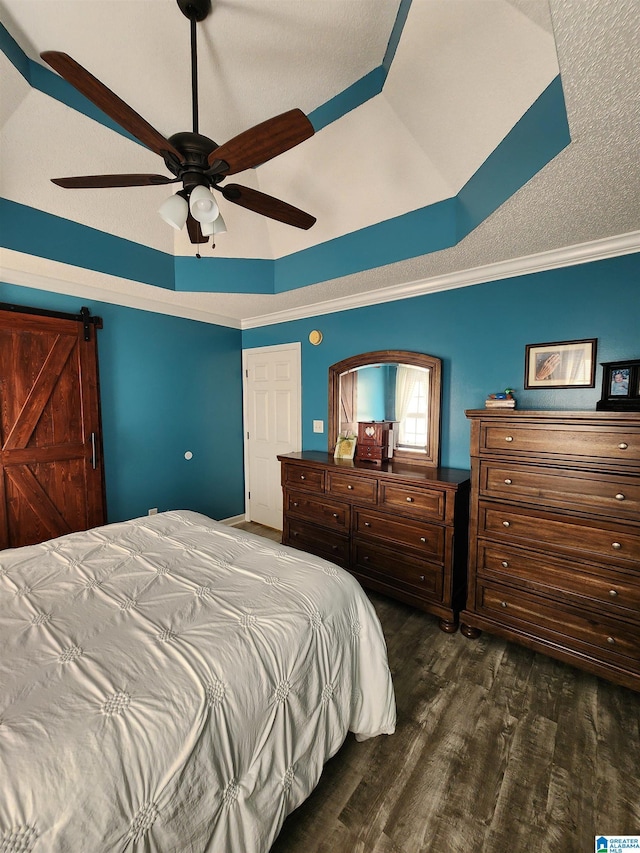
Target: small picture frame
[(345, 447), (620, 386), (560, 364)]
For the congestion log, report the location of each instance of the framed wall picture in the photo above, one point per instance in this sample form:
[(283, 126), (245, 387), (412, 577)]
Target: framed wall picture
[(345, 447), (560, 364), (620, 386)]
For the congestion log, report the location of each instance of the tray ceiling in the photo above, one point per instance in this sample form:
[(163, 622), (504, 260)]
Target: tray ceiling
[(461, 75)]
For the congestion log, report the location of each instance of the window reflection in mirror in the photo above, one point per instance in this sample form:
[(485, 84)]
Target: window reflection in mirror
[(397, 386), (387, 392)]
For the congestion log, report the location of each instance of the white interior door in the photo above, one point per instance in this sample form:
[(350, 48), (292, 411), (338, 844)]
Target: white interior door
[(272, 425)]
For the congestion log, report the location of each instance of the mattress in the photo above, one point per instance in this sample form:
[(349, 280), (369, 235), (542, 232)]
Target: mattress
[(174, 684)]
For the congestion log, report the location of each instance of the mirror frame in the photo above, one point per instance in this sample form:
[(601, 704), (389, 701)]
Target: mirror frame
[(431, 456)]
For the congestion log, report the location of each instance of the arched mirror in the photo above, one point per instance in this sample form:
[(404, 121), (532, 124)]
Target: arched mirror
[(389, 385)]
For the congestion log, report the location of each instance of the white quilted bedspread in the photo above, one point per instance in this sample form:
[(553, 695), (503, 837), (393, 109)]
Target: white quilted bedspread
[(174, 685)]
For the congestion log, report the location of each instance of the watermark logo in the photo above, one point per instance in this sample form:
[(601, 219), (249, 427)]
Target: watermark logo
[(617, 843)]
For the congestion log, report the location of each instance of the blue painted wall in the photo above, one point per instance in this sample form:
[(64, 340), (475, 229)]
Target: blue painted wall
[(168, 385), (480, 333)]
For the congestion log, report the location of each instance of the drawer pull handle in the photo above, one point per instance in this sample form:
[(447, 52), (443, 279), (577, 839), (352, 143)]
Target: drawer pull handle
[(409, 500), (611, 641), (616, 545), (295, 503), (350, 487), (302, 477), (335, 515), (334, 547), (508, 438), (505, 564), (365, 559), (367, 524), (613, 593), (503, 604), (508, 481), (623, 445), (421, 577), (423, 538), (506, 524), (620, 496)]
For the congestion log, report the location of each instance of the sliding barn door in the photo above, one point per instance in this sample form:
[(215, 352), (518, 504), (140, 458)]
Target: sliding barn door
[(51, 476)]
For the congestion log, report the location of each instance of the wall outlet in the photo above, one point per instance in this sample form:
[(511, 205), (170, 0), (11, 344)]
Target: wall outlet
[(318, 426), (153, 511)]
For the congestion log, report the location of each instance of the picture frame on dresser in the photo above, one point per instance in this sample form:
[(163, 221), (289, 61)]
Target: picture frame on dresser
[(560, 364), (620, 386), (345, 447)]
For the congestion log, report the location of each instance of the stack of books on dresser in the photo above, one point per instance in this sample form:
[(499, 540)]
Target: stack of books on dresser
[(503, 400)]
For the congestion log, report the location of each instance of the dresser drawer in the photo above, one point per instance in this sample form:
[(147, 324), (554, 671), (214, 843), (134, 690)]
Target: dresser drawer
[(605, 494), (407, 569), (429, 539), (618, 545), (325, 543), (574, 441), (320, 510), (372, 451), (589, 585), (612, 637), (421, 503), (352, 487), (311, 479)]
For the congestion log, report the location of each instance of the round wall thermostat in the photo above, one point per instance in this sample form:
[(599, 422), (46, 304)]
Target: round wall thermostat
[(315, 337)]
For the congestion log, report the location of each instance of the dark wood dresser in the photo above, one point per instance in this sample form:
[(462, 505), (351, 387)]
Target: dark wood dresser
[(555, 527), (399, 529)]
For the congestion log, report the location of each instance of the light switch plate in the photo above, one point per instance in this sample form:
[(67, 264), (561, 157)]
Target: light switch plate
[(318, 426)]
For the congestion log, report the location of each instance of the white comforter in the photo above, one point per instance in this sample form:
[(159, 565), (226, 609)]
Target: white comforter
[(173, 684)]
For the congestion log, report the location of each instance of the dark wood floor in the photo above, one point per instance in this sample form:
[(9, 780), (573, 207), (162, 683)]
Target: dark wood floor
[(497, 749)]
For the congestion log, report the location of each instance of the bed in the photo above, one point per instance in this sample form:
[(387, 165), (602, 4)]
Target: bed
[(173, 685)]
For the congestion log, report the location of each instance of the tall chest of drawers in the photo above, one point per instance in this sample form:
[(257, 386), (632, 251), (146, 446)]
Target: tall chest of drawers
[(399, 529), (555, 531)]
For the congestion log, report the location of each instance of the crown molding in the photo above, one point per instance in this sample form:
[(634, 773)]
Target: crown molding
[(581, 253), (29, 271), (42, 274)]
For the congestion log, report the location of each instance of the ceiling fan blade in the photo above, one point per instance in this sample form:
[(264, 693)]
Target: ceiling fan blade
[(109, 102), (267, 206), (261, 143), (106, 181), (195, 232)]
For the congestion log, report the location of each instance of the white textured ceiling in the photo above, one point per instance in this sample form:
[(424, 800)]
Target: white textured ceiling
[(464, 72)]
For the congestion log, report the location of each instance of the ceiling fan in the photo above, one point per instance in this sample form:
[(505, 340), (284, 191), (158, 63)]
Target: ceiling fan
[(195, 160)]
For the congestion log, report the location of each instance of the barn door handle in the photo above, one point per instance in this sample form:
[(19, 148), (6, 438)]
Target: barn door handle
[(93, 451)]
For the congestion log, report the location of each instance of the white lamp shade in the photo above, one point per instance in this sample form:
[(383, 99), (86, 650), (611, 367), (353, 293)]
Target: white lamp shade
[(203, 205), (216, 227), (174, 211), (219, 225)]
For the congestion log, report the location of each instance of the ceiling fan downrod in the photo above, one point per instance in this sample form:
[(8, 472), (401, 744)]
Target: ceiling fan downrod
[(195, 11), (194, 76)]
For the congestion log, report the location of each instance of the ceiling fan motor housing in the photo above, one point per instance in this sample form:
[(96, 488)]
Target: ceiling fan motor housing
[(195, 149)]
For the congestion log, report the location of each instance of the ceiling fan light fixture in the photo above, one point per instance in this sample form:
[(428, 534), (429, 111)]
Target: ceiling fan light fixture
[(174, 211), (210, 229), (203, 205), (219, 225)]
